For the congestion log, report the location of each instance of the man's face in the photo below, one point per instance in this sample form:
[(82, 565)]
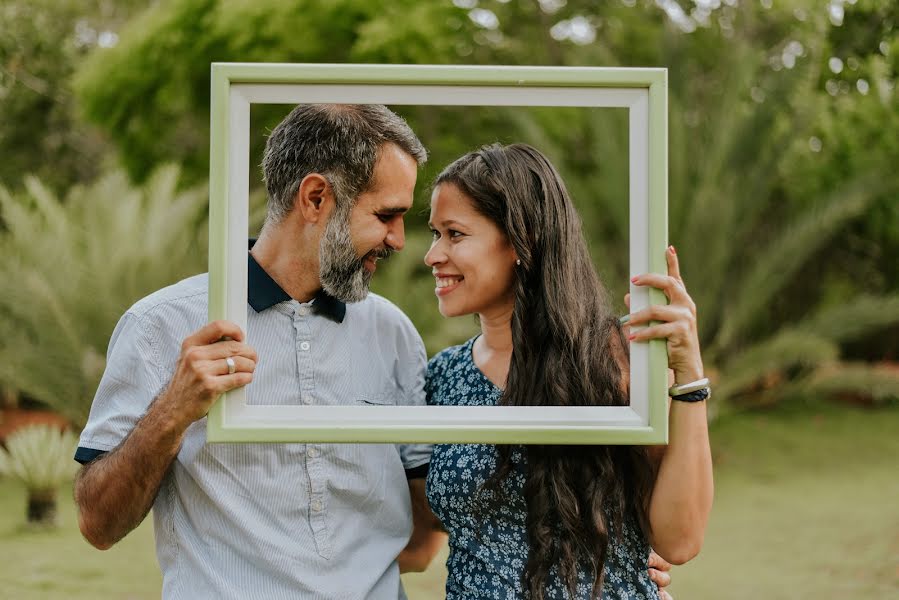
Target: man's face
[(355, 239)]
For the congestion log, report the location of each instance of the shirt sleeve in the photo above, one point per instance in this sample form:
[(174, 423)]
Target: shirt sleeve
[(410, 374), (130, 382)]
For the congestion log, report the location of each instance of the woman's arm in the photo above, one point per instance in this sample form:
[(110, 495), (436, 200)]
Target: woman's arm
[(682, 495)]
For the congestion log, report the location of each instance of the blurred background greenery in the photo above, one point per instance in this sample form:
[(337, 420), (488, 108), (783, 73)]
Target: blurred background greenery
[(783, 182)]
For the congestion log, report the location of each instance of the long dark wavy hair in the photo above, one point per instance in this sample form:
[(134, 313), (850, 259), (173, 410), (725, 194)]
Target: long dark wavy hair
[(567, 350)]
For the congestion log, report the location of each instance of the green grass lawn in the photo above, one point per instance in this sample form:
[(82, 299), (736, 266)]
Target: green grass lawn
[(807, 506)]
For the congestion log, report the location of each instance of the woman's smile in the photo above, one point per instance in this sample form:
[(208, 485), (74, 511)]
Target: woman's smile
[(446, 283)]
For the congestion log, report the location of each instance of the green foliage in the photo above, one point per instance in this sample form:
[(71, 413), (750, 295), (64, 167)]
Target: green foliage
[(151, 92), (40, 456), (779, 183), (73, 266), (41, 42)]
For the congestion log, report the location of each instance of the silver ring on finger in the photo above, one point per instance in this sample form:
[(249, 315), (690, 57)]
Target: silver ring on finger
[(231, 366)]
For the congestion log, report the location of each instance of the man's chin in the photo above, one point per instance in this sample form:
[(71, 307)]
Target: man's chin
[(352, 289)]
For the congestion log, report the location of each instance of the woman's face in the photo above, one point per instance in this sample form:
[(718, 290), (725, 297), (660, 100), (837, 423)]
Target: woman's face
[(472, 261)]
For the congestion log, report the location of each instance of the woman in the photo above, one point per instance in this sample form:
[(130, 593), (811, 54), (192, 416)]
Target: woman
[(552, 521)]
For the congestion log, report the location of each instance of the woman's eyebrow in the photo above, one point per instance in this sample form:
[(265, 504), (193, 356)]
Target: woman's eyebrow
[(446, 223)]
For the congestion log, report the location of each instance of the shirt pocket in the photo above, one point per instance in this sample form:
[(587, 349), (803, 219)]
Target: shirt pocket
[(385, 398)]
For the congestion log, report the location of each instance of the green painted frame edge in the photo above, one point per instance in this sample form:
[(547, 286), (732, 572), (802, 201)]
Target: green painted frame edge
[(630, 436), (658, 241), (218, 204), (440, 75), (223, 75)]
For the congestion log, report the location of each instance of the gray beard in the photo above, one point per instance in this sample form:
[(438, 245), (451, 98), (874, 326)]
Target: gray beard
[(343, 274)]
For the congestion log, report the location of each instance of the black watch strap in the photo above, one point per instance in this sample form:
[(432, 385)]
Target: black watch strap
[(697, 396)]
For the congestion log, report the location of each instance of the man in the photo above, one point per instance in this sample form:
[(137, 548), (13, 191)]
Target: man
[(273, 520)]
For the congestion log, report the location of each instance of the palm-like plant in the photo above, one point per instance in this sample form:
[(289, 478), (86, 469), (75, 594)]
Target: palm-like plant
[(747, 241), (39, 456), (72, 267)]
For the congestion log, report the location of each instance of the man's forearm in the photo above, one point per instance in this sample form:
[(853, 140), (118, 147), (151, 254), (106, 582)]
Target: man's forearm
[(428, 535), (116, 491)]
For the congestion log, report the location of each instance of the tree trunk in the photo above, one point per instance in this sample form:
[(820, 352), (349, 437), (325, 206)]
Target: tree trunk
[(9, 397), (42, 507)]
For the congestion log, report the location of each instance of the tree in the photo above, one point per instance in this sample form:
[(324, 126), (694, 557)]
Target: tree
[(41, 43)]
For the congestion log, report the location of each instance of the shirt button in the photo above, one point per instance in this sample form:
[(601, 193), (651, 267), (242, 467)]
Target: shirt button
[(316, 505), (304, 346), (302, 311), (312, 452), (307, 398)]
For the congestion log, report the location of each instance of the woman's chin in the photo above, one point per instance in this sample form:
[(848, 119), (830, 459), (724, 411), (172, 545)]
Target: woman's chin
[(448, 310)]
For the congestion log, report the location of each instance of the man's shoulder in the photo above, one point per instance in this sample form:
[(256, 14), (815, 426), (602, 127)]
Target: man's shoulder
[(190, 294), (379, 307)]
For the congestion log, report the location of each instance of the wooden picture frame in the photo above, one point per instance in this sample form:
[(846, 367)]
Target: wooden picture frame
[(643, 91)]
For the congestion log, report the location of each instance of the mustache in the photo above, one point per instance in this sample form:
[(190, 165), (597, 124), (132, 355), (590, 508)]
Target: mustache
[(380, 253)]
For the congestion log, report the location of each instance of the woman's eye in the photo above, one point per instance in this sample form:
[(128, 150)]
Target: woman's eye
[(454, 234), (435, 234)]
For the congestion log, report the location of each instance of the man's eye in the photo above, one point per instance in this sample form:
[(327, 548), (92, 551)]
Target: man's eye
[(385, 218)]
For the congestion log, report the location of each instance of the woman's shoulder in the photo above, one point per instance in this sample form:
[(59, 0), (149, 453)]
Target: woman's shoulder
[(446, 370), (448, 357)]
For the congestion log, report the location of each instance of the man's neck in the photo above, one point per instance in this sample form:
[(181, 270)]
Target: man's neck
[(288, 260)]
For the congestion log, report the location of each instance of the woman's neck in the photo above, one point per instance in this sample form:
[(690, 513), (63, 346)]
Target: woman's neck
[(496, 332), (492, 351)]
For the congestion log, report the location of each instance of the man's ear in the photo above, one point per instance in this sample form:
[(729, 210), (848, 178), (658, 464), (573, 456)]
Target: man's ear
[(314, 199)]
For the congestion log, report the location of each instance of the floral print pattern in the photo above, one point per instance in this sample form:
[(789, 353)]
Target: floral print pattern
[(488, 540)]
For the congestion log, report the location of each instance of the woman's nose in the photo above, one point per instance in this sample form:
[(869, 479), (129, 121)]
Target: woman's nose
[(434, 255)]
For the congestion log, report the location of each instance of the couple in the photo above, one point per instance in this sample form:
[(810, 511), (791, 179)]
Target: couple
[(342, 520)]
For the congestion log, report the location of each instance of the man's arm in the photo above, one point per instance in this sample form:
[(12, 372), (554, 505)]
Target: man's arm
[(428, 535), (115, 492)]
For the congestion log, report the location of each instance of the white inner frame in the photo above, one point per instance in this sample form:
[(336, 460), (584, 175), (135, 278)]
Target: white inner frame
[(234, 408)]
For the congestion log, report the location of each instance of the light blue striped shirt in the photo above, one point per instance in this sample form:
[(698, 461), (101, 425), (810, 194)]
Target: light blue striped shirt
[(274, 521)]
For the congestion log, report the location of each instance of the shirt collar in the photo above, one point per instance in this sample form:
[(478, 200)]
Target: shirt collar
[(263, 292)]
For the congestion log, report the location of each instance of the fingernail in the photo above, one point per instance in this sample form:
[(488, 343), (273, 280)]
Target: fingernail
[(632, 336), (623, 320), (634, 279), (673, 251)]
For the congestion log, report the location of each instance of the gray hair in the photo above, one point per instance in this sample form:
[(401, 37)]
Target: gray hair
[(339, 141)]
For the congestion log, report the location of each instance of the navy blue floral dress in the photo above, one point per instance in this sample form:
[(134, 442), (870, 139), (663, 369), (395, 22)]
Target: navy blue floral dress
[(488, 546)]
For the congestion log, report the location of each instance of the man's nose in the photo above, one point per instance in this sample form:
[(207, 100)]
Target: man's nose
[(396, 235)]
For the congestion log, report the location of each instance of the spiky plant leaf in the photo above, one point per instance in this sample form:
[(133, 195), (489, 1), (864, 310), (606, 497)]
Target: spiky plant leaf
[(786, 349), (850, 320), (40, 456), (877, 383), (76, 265), (781, 260)]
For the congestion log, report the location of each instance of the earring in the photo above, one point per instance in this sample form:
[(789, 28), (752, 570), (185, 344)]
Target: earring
[(518, 261)]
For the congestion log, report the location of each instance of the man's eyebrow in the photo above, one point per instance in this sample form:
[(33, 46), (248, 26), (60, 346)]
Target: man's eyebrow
[(392, 210)]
